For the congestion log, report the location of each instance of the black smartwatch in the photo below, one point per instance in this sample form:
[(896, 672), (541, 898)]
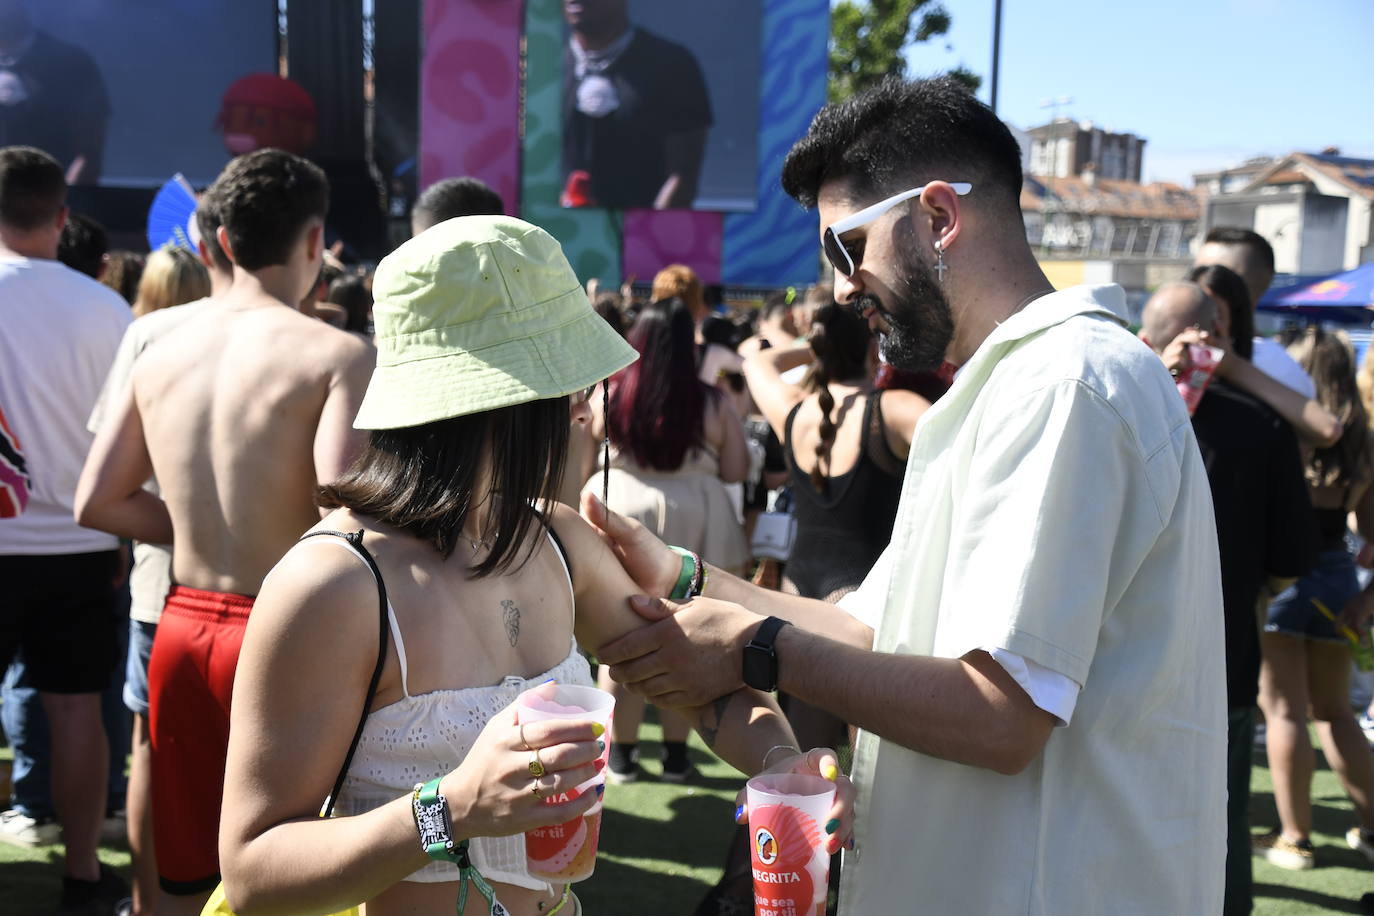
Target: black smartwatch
[(761, 658)]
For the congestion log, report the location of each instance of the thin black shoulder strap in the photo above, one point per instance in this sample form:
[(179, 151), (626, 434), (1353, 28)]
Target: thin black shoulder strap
[(355, 540)]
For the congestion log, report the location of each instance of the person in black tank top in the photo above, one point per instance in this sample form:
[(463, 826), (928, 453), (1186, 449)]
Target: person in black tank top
[(842, 528)]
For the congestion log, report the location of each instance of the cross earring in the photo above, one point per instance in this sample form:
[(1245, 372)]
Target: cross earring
[(941, 268)]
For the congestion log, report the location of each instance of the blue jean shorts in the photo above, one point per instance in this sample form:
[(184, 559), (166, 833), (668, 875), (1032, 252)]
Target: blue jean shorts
[(1331, 583), (136, 667)]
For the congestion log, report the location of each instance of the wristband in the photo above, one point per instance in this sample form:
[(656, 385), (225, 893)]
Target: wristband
[(431, 820), (691, 565), (436, 836), (698, 577)]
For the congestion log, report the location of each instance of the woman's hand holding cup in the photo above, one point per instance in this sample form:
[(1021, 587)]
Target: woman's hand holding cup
[(513, 778), (822, 762)]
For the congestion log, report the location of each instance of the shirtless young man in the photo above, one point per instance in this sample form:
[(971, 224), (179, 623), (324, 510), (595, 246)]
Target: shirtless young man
[(241, 412)]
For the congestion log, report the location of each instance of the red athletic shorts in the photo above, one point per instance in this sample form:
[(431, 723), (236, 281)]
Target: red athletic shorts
[(190, 680)]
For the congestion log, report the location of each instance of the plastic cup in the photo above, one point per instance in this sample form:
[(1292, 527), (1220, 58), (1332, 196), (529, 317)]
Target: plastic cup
[(787, 841), (564, 853), (1193, 381)]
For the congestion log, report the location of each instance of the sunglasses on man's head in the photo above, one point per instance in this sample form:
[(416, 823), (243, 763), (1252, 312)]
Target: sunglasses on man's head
[(839, 255)]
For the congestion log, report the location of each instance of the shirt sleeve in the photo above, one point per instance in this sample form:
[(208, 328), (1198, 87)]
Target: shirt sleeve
[(1273, 360), (691, 101), (117, 380), (1049, 690), (1058, 512)]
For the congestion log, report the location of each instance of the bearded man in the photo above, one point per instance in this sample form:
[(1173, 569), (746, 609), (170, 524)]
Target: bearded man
[(1034, 662)]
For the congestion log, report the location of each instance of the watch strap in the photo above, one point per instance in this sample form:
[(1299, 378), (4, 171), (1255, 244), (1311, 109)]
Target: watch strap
[(767, 633), (761, 658)]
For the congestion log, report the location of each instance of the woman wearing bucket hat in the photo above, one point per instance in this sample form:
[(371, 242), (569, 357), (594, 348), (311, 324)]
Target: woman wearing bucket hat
[(487, 349)]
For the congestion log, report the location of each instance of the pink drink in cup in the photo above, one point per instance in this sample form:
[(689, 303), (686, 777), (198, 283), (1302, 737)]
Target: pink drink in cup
[(1192, 382), (787, 841), (564, 853)]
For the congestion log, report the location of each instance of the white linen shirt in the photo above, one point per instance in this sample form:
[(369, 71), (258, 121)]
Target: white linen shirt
[(1055, 506)]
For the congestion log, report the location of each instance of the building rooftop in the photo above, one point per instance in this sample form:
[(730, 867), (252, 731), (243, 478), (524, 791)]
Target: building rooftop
[(1109, 197), (1353, 173)]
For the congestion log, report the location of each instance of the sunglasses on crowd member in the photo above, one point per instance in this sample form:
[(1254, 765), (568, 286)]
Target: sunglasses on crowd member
[(585, 395), (839, 254)]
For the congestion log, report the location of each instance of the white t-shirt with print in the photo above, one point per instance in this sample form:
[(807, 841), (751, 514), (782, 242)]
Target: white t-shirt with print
[(59, 330), (1055, 507)]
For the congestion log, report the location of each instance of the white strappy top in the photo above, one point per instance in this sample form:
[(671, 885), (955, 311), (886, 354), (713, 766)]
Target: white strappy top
[(423, 737)]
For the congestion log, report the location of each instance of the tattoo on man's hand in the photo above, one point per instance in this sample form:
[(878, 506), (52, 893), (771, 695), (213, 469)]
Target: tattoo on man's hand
[(510, 615)]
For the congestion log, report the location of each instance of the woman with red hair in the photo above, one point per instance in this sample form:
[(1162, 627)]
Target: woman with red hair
[(675, 444)]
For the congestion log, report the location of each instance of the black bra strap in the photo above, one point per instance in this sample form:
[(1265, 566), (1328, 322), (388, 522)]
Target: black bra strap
[(355, 540)]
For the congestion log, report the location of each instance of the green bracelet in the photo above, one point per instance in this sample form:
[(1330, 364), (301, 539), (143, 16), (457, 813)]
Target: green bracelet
[(683, 588), (436, 836)]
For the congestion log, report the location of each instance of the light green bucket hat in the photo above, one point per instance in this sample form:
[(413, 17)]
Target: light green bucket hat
[(477, 313)]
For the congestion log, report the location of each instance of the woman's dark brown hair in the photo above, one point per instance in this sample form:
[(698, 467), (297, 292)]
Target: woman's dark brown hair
[(1225, 284), (840, 338), (1329, 358), (423, 479)]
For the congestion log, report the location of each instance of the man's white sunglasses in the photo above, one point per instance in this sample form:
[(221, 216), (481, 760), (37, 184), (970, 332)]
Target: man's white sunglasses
[(835, 250)]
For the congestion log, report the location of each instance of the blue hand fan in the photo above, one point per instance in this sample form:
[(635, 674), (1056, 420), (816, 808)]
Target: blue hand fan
[(171, 217)]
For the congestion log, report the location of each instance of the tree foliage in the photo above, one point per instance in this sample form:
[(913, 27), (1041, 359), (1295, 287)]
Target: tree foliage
[(869, 38)]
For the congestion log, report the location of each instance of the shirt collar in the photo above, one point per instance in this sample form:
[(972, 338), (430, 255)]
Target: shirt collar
[(1107, 301)]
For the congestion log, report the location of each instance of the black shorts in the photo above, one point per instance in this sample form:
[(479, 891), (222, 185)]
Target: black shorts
[(60, 611)]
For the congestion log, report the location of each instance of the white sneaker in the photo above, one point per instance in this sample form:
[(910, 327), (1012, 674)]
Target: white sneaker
[(1362, 841), (19, 829), (1366, 723)]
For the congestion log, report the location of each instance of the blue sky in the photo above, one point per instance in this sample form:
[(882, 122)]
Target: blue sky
[(1207, 82)]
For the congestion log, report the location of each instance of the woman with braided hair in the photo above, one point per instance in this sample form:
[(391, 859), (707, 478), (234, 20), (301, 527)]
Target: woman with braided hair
[(846, 446)]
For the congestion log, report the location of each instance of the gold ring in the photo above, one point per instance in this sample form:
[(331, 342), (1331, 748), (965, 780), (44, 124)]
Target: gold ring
[(523, 742), (536, 765)]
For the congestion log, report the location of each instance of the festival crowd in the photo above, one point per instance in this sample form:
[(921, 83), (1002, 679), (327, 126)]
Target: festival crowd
[(291, 537)]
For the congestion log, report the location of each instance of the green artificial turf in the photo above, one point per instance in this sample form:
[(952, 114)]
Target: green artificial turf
[(663, 846)]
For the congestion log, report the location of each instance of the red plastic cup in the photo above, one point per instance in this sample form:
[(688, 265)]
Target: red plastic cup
[(565, 853), (787, 843)]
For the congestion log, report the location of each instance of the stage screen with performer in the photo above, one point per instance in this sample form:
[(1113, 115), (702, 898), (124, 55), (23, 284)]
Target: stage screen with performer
[(661, 104), (124, 92)]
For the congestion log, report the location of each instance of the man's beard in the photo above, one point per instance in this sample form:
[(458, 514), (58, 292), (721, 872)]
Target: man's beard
[(920, 324)]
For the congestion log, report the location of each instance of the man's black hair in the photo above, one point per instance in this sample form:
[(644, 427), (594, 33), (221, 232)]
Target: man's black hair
[(208, 222), (83, 244), (455, 197), (265, 199), (1234, 235), (33, 188), (901, 134)]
